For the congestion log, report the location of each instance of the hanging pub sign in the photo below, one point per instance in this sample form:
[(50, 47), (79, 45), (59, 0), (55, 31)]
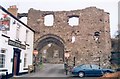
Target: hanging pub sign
[(4, 21), (16, 44)]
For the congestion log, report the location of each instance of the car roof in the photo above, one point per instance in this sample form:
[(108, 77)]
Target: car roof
[(88, 64)]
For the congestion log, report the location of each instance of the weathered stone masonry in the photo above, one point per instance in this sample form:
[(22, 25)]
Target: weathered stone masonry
[(85, 48)]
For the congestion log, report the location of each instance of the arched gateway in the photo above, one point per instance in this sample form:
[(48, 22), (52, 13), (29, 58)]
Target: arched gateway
[(51, 49), (87, 41)]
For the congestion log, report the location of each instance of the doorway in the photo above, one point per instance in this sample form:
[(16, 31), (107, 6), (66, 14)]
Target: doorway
[(16, 61)]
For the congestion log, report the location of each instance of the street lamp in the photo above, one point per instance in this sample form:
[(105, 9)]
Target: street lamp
[(74, 61), (35, 52), (66, 64), (99, 61)]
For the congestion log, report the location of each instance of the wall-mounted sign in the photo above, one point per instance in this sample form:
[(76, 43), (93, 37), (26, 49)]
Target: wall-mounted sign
[(4, 21), (16, 44)]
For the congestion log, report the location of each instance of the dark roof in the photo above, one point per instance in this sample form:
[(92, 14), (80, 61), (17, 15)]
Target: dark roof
[(3, 9)]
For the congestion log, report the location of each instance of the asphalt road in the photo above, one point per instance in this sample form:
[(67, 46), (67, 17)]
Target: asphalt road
[(48, 70), (51, 71)]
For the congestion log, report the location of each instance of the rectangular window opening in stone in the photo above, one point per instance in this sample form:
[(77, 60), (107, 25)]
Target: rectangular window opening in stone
[(73, 21), (49, 20)]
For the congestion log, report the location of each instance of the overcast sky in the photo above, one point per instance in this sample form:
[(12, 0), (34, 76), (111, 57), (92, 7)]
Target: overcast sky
[(110, 6)]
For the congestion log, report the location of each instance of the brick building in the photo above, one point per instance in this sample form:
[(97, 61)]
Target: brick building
[(86, 42)]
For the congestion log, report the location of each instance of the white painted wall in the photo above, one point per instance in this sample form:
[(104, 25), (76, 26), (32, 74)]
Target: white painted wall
[(9, 49)]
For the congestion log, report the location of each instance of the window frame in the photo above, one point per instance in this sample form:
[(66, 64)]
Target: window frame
[(26, 36), (25, 60), (2, 59), (18, 31)]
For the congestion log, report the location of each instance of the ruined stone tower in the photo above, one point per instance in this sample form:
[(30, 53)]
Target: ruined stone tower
[(88, 42)]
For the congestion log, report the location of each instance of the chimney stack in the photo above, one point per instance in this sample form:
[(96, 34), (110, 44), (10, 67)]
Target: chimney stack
[(13, 10)]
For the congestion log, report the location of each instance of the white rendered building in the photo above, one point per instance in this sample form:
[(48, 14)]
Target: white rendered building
[(16, 44)]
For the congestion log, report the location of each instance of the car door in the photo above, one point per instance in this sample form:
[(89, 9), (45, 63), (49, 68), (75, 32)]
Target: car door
[(87, 70), (97, 71)]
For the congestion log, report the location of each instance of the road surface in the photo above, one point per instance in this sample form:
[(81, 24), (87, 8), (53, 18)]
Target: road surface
[(51, 71)]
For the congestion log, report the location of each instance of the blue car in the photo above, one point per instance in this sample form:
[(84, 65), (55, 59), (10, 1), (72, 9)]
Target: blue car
[(89, 70)]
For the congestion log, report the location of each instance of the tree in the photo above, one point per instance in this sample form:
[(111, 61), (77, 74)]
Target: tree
[(118, 40), (115, 54)]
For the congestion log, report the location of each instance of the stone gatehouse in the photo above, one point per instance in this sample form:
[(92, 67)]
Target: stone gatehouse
[(86, 42)]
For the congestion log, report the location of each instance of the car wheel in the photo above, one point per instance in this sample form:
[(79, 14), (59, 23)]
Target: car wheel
[(81, 74)]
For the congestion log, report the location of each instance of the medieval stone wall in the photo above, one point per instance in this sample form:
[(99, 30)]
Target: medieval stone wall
[(85, 49)]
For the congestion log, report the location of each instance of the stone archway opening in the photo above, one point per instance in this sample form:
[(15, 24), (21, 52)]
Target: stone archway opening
[(51, 50)]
